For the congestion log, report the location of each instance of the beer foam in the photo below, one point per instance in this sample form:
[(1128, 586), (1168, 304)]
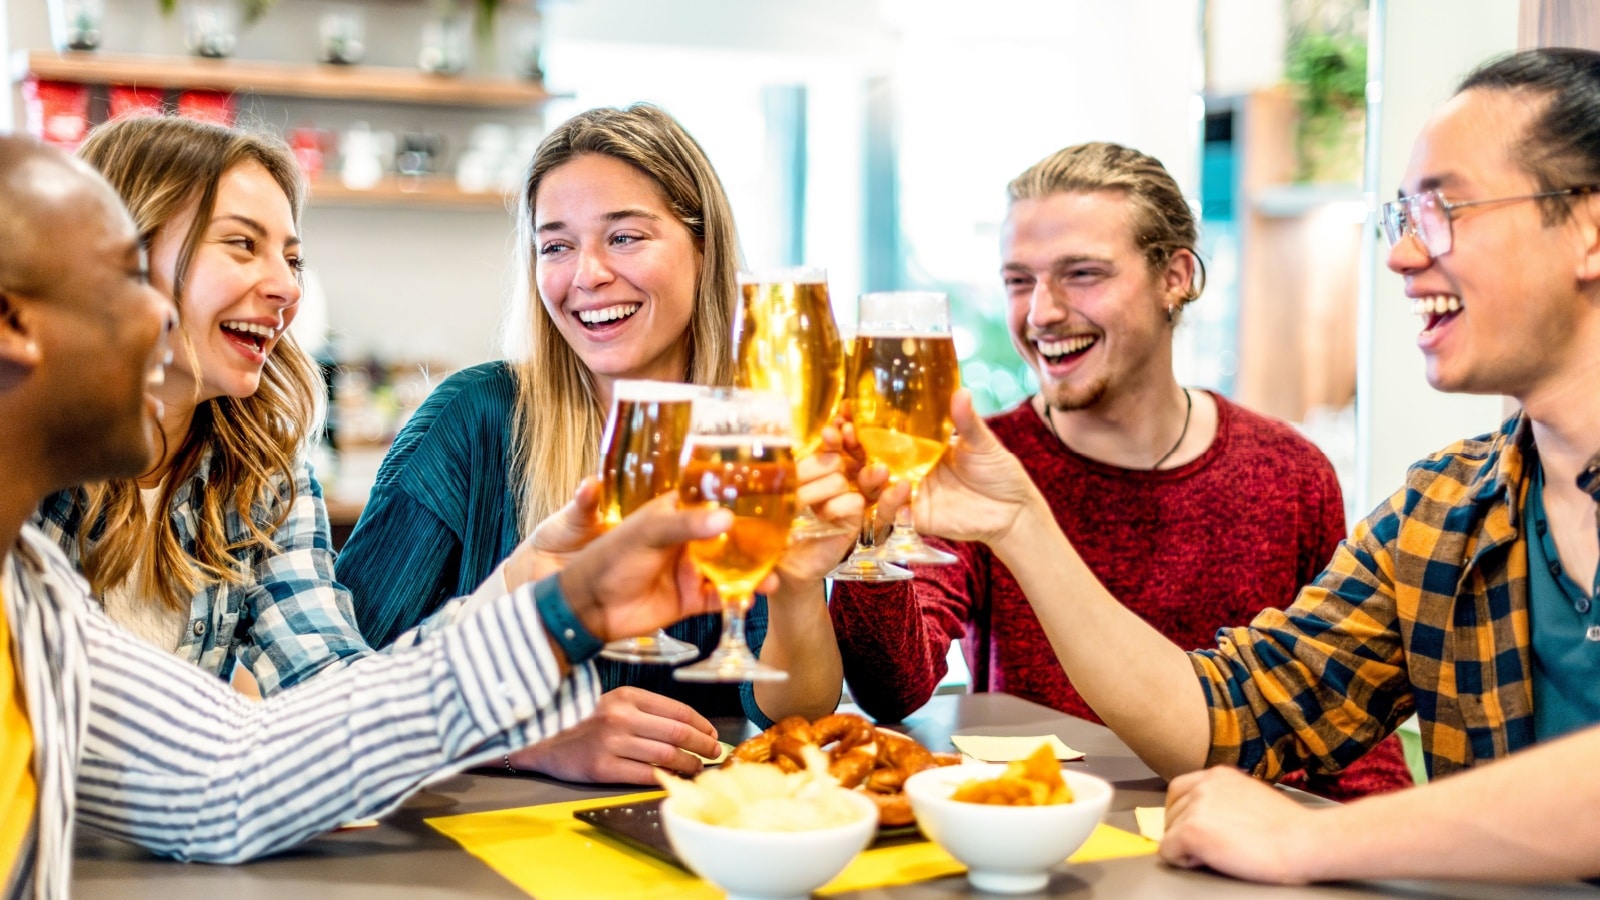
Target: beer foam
[(654, 391), (903, 333)]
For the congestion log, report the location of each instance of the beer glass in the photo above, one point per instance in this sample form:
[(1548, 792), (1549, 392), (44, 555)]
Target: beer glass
[(639, 460), (785, 341), (905, 374), (863, 563), (739, 455)]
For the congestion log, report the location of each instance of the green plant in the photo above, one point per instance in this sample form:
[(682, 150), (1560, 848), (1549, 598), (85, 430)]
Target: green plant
[(1329, 74), (252, 10)]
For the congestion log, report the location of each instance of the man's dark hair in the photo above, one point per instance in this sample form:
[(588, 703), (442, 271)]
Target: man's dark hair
[(1562, 146)]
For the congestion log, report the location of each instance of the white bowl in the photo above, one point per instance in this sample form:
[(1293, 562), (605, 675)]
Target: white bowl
[(1006, 849), (769, 865)]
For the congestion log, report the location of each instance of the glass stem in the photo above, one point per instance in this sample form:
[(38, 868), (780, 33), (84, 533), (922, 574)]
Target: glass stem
[(903, 520), (734, 606)]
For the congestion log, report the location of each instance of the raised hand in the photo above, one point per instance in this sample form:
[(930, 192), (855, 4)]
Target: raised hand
[(978, 489), (635, 578)]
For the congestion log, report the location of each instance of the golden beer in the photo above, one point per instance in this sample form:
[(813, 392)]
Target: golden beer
[(899, 391), (643, 444), (786, 341), (755, 477)]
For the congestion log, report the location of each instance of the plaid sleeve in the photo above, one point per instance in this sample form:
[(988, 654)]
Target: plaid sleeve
[(301, 620), (1318, 684)]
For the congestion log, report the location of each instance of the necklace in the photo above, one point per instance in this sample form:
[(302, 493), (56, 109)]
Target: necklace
[(1188, 412)]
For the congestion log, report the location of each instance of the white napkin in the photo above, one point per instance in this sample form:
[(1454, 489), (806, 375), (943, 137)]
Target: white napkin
[(1152, 821), (1006, 749)]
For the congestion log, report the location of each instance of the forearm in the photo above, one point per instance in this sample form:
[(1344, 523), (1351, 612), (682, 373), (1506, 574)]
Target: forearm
[(174, 762), (893, 653), (1528, 817), (800, 641), (1137, 680)]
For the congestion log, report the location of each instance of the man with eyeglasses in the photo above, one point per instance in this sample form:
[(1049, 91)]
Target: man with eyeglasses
[(1469, 598)]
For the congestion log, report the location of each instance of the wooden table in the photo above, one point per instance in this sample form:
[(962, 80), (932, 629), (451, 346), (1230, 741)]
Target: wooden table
[(405, 858)]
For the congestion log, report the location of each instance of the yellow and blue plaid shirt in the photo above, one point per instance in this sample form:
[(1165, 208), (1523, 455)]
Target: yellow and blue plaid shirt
[(1424, 609)]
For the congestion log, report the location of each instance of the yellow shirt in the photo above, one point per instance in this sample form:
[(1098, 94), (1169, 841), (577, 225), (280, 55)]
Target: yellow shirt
[(19, 792)]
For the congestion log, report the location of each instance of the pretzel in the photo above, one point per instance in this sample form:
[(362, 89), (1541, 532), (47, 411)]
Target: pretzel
[(874, 760)]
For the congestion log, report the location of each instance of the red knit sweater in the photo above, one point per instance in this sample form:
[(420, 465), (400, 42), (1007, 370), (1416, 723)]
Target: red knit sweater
[(1190, 549)]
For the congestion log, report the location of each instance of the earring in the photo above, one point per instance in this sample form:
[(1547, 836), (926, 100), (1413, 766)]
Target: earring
[(1172, 312)]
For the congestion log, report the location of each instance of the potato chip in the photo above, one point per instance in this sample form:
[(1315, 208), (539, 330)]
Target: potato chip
[(1034, 781), (762, 797)]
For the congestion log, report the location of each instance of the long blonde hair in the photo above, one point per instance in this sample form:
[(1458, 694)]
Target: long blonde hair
[(558, 421), (161, 166)]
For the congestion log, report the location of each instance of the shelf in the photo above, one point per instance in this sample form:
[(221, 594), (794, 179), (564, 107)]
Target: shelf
[(436, 191), (384, 84)]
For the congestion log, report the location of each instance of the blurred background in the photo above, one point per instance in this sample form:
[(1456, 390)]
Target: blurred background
[(873, 137)]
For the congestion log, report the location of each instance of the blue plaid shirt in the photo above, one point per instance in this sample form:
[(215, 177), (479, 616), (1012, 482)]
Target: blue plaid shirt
[(288, 622)]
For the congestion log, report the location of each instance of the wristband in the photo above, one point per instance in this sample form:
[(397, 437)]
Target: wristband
[(577, 642)]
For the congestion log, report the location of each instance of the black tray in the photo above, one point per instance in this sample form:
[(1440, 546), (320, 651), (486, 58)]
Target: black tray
[(639, 826)]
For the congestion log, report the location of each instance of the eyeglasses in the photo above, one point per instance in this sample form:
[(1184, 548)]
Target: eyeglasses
[(1428, 215)]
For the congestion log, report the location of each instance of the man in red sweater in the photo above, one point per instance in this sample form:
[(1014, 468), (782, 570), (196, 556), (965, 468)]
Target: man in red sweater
[(1193, 512)]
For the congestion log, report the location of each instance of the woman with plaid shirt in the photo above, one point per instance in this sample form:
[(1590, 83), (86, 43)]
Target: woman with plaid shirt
[(221, 552)]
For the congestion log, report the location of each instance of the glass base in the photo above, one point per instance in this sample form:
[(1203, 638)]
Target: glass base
[(862, 567), (906, 546), (724, 664), (656, 649)]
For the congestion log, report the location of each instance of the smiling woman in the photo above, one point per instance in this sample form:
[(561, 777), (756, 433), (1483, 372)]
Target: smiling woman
[(220, 552), (629, 249)]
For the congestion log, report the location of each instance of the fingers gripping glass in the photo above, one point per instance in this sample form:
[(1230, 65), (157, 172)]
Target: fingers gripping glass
[(639, 459), (1429, 216)]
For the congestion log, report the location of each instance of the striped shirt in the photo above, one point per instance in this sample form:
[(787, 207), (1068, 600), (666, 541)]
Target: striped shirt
[(1424, 609), (140, 745), (287, 622)]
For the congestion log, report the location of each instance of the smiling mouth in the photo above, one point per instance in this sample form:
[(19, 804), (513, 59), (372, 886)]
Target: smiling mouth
[(1437, 309), (249, 334), (595, 318), (1059, 351)]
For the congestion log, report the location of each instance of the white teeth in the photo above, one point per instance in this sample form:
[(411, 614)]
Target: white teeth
[(265, 331), (1062, 348), (1438, 304), (610, 313)]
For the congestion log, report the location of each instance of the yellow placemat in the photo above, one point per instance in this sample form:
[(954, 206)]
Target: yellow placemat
[(1005, 749), (545, 851)]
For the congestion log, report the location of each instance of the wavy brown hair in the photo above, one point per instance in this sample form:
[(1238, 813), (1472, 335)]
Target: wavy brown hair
[(558, 421), (161, 167)]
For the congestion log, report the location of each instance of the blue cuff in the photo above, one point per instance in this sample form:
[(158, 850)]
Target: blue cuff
[(576, 641)]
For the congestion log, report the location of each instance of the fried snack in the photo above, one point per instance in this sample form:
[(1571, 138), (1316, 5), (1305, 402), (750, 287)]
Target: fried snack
[(763, 798), (1035, 781), (860, 755)]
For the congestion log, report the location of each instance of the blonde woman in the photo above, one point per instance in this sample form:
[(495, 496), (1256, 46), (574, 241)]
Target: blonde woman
[(220, 552), (631, 251)]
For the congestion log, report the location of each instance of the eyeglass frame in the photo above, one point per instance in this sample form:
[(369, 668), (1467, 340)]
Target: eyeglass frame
[(1396, 229)]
